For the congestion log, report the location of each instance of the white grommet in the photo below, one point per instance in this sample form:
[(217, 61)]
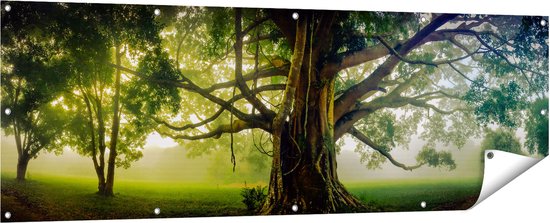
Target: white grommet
[(157, 211), (7, 111), (295, 207), (295, 16), (157, 11), (423, 204), (7, 8), (542, 22), (7, 215)]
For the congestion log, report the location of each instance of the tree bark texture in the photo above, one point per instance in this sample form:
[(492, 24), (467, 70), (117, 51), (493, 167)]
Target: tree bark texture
[(304, 160)]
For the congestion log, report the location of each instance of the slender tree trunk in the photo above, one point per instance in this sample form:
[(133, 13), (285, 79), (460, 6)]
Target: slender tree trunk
[(101, 182), (22, 163), (93, 146), (114, 131), (100, 170)]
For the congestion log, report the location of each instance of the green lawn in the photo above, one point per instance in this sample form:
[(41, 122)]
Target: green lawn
[(63, 198), (406, 195)]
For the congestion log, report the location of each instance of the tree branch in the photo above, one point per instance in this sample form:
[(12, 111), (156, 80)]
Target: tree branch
[(390, 101), (190, 86), (256, 103), (359, 135), (429, 63), (220, 110), (485, 44), (348, 98), (424, 104), (264, 73), (236, 126), (436, 92)]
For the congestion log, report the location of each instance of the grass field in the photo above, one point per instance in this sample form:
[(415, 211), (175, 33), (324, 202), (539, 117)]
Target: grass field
[(47, 197)]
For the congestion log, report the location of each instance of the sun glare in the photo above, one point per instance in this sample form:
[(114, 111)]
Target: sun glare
[(155, 140)]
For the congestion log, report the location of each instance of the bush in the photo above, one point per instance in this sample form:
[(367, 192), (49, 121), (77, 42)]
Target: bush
[(253, 197)]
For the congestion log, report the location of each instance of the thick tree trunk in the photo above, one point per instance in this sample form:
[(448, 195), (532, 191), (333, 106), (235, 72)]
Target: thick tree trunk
[(308, 160), (310, 180), (22, 164), (304, 161)]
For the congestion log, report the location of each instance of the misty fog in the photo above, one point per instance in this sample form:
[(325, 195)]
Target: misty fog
[(167, 161)]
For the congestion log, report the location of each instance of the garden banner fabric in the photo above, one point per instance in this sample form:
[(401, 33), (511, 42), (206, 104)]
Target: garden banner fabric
[(120, 111)]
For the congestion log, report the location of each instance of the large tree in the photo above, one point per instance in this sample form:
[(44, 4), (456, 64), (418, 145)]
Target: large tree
[(356, 73)]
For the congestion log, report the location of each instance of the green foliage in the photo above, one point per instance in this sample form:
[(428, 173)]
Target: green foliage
[(33, 75), (537, 127), (455, 129), (219, 28), (496, 106), (155, 89), (501, 139), (352, 27), (435, 158), (94, 31), (253, 197), (386, 130)]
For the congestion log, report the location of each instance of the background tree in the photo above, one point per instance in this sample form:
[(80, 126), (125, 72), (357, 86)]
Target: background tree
[(501, 139), (101, 39), (33, 74), (72, 55), (537, 127)]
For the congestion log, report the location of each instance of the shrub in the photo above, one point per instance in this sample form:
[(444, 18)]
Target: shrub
[(253, 197)]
